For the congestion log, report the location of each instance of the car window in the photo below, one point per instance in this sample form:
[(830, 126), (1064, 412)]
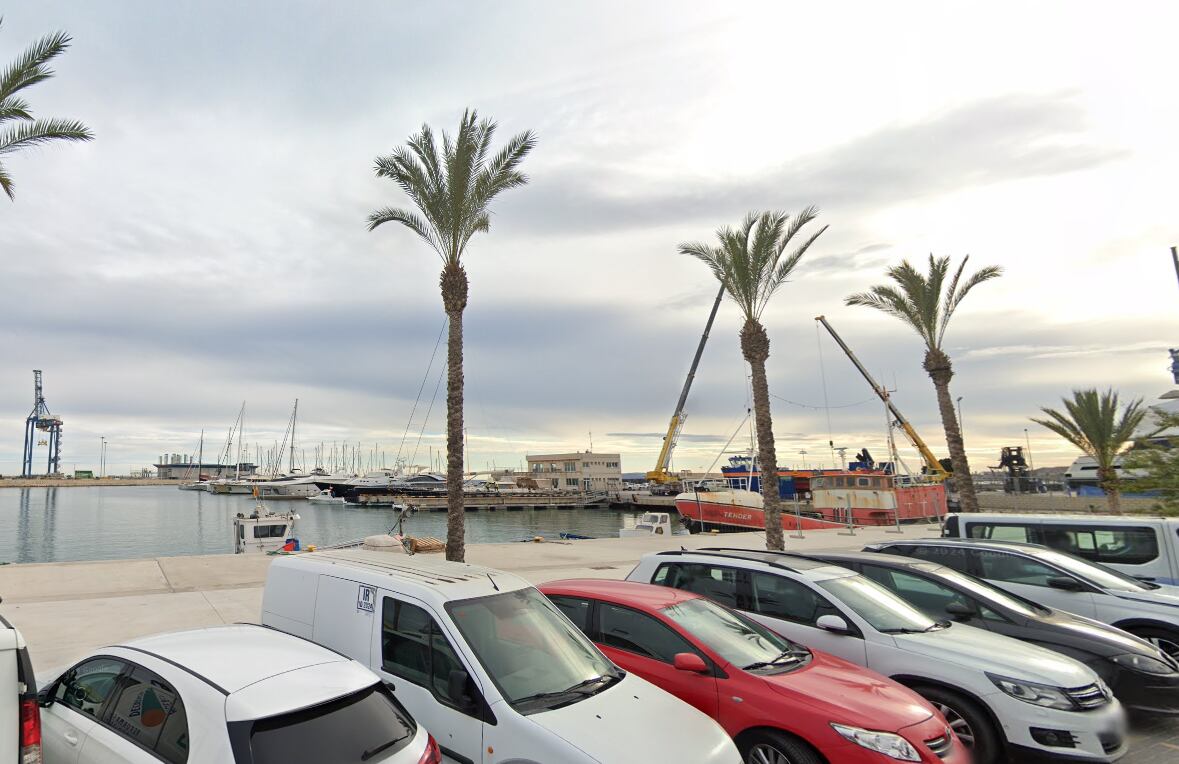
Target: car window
[(639, 633), (575, 609), (736, 638), (1013, 569), (147, 710), (950, 556), (717, 582), (1121, 545), (414, 648), (780, 597), (999, 531), (87, 686), (931, 596), (345, 730)]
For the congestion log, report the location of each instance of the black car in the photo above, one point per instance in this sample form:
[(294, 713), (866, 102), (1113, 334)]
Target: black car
[(1141, 676)]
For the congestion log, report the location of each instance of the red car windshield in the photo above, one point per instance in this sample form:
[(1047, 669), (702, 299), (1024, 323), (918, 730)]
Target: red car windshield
[(737, 639)]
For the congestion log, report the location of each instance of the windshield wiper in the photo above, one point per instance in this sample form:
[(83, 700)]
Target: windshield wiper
[(788, 656), (903, 630), (937, 626), (579, 687), (383, 746)]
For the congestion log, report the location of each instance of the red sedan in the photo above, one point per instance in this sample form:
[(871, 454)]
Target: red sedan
[(782, 703)]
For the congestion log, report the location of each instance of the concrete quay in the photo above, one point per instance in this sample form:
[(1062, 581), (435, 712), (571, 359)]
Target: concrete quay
[(67, 609)]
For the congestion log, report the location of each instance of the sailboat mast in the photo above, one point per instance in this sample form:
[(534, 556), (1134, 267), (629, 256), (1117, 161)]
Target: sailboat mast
[(294, 417)]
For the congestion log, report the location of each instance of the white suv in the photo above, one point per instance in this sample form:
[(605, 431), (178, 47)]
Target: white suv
[(1000, 695), (243, 694)]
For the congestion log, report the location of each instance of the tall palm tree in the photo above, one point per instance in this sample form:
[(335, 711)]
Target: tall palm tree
[(752, 263), (1093, 423), (925, 302), (452, 186), (30, 68)]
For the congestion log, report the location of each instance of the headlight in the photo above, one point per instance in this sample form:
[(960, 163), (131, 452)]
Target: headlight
[(1143, 663), (1036, 694), (892, 746)]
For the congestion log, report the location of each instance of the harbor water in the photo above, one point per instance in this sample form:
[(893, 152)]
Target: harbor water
[(122, 522)]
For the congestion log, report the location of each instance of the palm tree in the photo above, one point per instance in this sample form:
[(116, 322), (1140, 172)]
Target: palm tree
[(925, 302), (452, 186), (751, 263), (29, 69), (1093, 423)]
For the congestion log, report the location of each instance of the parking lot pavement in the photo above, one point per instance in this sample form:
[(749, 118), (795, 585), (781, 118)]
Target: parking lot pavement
[(1153, 740)]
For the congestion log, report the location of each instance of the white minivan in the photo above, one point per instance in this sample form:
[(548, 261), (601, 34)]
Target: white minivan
[(485, 662), (1143, 547)]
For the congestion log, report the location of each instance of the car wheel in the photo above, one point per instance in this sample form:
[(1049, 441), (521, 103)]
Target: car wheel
[(969, 722), (777, 748), (1163, 639)]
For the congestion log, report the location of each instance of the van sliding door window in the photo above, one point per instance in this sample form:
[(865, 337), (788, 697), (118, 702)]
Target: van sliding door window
[(414, 648)]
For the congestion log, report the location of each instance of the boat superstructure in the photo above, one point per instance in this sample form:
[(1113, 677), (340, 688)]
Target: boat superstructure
[(264, 531)]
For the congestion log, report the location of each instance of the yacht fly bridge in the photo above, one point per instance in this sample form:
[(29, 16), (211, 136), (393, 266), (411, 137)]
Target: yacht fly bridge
[(263, 531)]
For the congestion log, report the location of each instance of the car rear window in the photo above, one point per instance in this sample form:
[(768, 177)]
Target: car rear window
[(340, 732)]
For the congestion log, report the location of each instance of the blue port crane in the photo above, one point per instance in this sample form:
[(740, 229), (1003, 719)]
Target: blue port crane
[(41, 421)]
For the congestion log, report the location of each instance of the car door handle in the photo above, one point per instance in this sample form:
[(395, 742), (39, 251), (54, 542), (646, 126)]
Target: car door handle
[(71, 737)]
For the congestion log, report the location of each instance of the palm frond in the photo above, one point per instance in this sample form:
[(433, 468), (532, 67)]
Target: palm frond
[(407, 219), (6, 182), (14, 107), (30, 67), (42, 131), (1095, 423)]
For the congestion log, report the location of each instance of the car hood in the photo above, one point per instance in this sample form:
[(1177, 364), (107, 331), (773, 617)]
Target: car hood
[(1096, 637), (851, 694), (634, 720), (1163, 597), (974, 648)]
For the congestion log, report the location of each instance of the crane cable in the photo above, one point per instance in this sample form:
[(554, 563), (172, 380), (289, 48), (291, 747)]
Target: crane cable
[(421, 387)]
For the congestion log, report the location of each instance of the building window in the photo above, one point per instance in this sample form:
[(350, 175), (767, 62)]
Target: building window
[(571, 466), (571, 482)]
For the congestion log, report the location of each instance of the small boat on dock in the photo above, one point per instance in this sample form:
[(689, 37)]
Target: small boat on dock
[(325, 497), (650, 524), (263, 531)]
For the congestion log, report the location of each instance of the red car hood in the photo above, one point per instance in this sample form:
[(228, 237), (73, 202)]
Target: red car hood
[(851, 694)]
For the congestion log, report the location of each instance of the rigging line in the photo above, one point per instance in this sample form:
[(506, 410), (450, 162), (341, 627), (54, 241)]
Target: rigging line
[(441, 373), (730, 440), (818, 408), (425, 376), (826, 403)]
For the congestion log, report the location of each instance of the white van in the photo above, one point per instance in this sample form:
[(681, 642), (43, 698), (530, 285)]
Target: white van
[(20, 716), (1143, 547), (485, 662)]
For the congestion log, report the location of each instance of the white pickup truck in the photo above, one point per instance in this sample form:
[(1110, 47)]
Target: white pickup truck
[(20, 716)]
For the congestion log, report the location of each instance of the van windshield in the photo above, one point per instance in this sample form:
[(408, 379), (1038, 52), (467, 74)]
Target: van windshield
[(535, 657)]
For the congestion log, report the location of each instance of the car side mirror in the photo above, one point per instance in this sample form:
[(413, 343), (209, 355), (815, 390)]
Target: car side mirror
[(1067, 583), (690, 662), (45, 696), (833, 623), (458, 684), (960, 609)]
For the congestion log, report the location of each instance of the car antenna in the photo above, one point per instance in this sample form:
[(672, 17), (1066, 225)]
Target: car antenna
[(492, 580)]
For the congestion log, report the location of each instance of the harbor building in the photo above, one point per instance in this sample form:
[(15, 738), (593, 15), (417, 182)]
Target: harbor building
[(186, 470), (577, 471)]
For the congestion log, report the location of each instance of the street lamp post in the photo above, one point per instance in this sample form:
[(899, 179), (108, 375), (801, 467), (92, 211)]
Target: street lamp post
[(102, 457), (803, 454), (961, 427), (1031, 463)]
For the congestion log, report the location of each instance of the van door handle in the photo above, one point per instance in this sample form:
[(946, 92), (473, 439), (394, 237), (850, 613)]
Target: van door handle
[(71, 737)]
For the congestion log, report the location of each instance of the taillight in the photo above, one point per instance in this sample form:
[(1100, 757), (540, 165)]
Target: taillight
[(431, 755), (30, 732)]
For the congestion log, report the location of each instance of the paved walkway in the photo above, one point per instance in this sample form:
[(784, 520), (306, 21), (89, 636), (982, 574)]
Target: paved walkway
[(68, 609)]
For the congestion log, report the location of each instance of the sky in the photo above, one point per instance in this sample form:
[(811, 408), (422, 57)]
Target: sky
[(209, 246)]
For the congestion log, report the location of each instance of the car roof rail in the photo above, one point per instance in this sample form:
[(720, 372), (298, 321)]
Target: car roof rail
[(767, 557)]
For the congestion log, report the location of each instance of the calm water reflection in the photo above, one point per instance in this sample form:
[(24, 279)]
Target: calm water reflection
[(116, 522)]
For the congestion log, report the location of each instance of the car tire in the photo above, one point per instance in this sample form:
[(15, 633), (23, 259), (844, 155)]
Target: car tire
[(777, 748), (1164, 639), (969, 721)]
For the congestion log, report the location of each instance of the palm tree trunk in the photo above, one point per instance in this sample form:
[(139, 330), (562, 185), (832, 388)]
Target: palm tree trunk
[(755, 346), (454, 300), (1107, 479), (937, 365)]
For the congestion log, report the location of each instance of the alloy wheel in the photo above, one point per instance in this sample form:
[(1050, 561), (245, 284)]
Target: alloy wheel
[(960, 726), (767, 754), (1168, 646)]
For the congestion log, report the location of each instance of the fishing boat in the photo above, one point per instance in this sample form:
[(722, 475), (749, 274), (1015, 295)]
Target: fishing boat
[(263, 531), (650, 524), (838, 498)]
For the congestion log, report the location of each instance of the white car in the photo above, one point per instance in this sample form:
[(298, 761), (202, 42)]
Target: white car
[(1002, 697), (1059, 580), (20, 719), (242, 694), (483, 659)]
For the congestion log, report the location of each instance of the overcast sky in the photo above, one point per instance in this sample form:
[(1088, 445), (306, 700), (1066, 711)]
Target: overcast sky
[(209, 246)]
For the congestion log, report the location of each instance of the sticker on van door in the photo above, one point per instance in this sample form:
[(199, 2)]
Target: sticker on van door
[(366, 598)]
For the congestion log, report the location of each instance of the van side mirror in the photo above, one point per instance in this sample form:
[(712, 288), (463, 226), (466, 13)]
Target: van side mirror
[(690, 662), (961, 610), (458, 684), (1067, 583), (833, 623)]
